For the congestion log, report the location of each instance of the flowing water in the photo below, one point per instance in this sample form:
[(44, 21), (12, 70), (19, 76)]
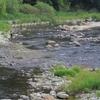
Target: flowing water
[(12, 83), (86, 55)]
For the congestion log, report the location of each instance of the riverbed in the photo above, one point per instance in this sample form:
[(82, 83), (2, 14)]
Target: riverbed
[(27, 50)]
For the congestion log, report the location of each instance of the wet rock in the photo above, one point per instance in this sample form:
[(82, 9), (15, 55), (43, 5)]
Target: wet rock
[(88, 19), (47, 87), (47, 97), (30, 79), (76, 28), (77, 43), (56, 45), (28, 74), (24, 97), (66, 28), (62, 95), (5, 99), (73, 22), (53, 93), (48, 46), (50, 42), (32, 84), (81, 23)]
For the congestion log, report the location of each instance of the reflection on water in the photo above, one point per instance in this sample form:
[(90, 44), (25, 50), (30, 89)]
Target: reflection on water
[(12, 83)]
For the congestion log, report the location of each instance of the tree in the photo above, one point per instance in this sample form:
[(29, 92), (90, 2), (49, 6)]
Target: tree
[(2, 7), (13, 6)]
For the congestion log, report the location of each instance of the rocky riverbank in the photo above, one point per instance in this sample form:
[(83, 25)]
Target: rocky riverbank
[(43, 85)]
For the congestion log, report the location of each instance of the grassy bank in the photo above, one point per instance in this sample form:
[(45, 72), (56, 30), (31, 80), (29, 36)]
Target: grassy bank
[(81, 80), (4, 26), (26, 18), (23, 18), (76, 15)]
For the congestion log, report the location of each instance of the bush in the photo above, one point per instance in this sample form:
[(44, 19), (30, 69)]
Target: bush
[(28, 9), (98, 94), (2, 7), (46, 9), (76, 69), (60, 70), (12, 6)]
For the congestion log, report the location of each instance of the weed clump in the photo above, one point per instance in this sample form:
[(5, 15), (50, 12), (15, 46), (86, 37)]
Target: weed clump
[(81, 81), (85, 81), (60, 70)]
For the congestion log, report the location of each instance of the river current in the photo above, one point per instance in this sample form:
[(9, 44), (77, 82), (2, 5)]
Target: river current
[(12, 83), (88, 54)]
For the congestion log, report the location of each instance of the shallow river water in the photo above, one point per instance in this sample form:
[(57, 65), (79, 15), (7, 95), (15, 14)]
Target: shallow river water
[(12, 83), (88, 54)]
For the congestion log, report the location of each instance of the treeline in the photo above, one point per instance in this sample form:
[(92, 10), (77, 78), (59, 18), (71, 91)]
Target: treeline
[(67, 5), (32, 6), (47, 10)]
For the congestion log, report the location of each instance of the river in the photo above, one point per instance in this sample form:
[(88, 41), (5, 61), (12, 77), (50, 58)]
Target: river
[(28, 50)]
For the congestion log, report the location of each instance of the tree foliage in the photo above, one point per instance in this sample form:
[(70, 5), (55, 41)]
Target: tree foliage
[(66, 5), (29, 9), (2, 7), (45, 8), (13, 6)]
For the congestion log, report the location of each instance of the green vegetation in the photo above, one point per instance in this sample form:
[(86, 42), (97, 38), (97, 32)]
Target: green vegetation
[(28, 9), (85, 81), (2, 7), (5, 27), (60, 70), (12, 6), (82, 80), (76, 15), (25, 11), (98, 94), (70, 5)]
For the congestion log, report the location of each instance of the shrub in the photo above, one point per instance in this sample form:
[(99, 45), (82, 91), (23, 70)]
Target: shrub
[(12, 6), (98, 94), (2, 7), (46, 9), (60, 70), (76, 69), (28, 9), (70, 72)]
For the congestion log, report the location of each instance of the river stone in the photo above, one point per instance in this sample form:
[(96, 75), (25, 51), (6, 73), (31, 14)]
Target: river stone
[(24, 97), (5, 99), (56, 45), (62, 95), (53, 93), (50, 42), (48, 46), (47, 97), (77, 43)]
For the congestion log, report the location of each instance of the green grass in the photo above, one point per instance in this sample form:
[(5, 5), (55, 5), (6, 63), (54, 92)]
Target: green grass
[(85, 81), (5, 27), (60, 70), (82, 80), (23, 18), (76, 15), (98, 94)]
